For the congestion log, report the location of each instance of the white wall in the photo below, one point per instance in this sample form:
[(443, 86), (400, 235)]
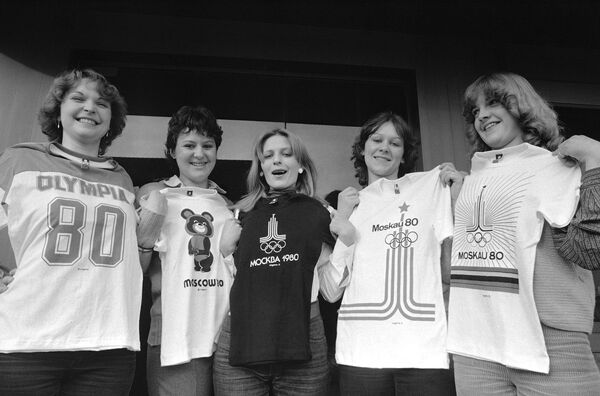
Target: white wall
[(434, 60), (444, 67), (329, 146), (22, 91)]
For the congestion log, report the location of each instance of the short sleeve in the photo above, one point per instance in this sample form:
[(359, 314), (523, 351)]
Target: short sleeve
[(162, 243), (7, 167), (442, 202), (324, 220), (557, 188)]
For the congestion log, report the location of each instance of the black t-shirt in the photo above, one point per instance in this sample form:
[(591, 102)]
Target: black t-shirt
[(279, 246)]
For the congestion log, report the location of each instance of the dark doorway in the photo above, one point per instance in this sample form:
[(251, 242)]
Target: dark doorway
[(251, 90)]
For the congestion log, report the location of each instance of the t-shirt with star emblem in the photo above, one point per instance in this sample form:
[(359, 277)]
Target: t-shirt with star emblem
[(392, 313)]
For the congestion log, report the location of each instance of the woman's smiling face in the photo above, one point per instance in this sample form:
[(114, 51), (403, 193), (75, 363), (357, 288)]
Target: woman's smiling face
[(85, 117), (496, 126), (384, 151), (196, 157)]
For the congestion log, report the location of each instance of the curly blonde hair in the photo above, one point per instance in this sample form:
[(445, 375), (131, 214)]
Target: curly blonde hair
[(534, 115)]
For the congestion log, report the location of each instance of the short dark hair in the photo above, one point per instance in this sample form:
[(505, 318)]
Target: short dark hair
[(49, 114), (410, 142), (187, 119)]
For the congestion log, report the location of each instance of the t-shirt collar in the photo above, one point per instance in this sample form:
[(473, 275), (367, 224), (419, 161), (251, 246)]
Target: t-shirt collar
[(175, 182), (500, 157), (85, 161)]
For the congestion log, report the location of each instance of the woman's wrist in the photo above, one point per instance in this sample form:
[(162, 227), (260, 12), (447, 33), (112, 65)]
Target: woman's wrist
[(142, 249)]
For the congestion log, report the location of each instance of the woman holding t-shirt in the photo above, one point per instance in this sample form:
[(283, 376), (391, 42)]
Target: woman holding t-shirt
[(182, 234), (274, 340), (519, 313), (70, 318), (390, 261)]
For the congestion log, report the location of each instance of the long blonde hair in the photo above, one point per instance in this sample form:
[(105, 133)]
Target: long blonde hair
[(257, 185), (534, 115)]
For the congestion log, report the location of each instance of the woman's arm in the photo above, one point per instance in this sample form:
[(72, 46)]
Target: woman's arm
[(230, 237), (453, 178), (334, 270), (7, 261), (446, 261), (335, 267), (340, 226), (579, 242), (152, 210)]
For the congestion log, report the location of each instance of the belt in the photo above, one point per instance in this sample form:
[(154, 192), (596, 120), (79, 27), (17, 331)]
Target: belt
[(314, 310)]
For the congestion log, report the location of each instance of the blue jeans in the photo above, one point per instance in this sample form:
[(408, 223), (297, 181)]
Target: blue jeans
[(191, 379), (396, 381), (77, 373), (307, 378), (573, 371)]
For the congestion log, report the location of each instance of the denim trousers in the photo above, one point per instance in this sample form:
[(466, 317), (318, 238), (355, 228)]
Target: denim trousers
[(573, 371), (396, 381), (191, 379), (107, 373), (306, 378)]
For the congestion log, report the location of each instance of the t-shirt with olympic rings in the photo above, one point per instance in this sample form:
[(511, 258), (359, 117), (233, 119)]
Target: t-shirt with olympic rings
[(280, 244), (500, 215), (392, 313)]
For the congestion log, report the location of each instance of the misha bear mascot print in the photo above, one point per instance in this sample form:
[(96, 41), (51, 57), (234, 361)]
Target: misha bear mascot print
[(200, 227)]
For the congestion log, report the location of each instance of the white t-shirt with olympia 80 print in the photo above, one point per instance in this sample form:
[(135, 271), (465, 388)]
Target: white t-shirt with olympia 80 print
[(196, 279), (499, 218), (392, 313), (72, 227)]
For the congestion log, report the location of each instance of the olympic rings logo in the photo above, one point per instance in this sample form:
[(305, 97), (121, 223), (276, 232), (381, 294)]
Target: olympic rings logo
[(479, 238), (273, 242), (404, 239), (272, 246)]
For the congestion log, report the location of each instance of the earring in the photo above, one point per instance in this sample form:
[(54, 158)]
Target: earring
[(58, 126), (261, 174), (300, 170), (107, 133)]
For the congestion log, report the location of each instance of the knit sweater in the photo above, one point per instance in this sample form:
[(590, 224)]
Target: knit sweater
[(563, 289)]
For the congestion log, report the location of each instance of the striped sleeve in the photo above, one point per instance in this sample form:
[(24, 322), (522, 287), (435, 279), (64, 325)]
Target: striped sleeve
[(579, 242)]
